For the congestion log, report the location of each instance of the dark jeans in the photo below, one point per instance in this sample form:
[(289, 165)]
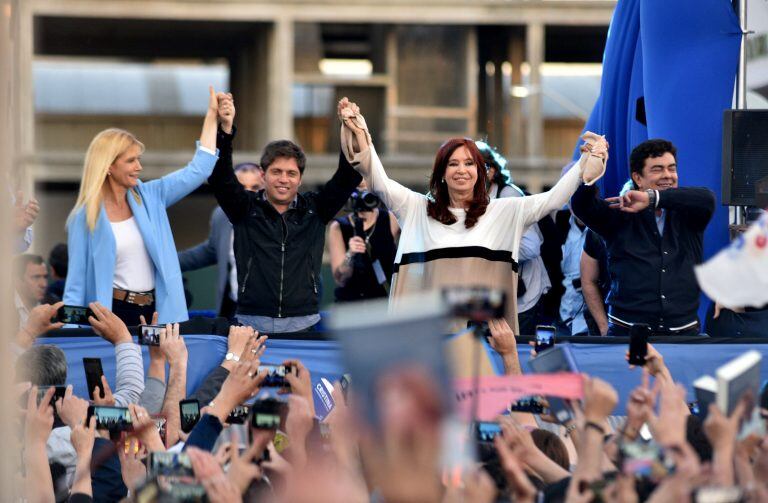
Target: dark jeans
[(619, 331), (752, 323), (130, 313), (527, 320)]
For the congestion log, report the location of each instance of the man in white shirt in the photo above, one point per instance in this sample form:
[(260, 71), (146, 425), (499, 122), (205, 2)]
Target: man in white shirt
[(30, 282)]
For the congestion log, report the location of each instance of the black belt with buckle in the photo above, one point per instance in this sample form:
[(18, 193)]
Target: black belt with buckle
[(137, 298)]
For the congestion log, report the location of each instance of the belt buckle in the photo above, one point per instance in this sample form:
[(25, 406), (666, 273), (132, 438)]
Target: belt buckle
[(131, 298)]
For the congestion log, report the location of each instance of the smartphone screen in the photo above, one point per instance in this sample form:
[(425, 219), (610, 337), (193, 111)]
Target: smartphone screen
[(58, 394), (532, 405), (111, 418), (476, 304), (93, 373), (643, 460), (486, 431), (74, 315), (150, 335), (276, 376), (638, 343), (190, 414), (170, 464), (545, 337), (267, 414), (238, 415)]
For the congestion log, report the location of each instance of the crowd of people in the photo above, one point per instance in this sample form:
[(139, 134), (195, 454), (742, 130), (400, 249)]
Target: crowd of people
[(566, 257)]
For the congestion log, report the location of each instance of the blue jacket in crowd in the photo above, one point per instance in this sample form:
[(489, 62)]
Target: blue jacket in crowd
[(92, 254)]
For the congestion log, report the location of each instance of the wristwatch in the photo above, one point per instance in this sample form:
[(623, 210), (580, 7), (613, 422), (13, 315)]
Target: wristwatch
[(232, 357), (653, 198)]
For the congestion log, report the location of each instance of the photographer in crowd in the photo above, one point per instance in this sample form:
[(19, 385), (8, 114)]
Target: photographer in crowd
[(362, 248)]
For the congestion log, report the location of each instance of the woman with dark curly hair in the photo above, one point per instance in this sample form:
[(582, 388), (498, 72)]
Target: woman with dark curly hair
[(457, 235)]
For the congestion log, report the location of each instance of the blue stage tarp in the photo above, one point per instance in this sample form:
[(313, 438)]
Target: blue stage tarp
[(323, 358), (680, 59)]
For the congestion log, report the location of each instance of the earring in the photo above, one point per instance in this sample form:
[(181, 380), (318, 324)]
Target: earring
[(443, 180), (109, 173)]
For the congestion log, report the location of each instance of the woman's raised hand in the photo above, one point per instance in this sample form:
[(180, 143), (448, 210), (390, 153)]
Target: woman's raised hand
[(213, 102), (349, 115), (226, 111)]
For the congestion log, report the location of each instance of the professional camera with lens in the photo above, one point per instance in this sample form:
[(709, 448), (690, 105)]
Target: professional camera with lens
[(364, 201)]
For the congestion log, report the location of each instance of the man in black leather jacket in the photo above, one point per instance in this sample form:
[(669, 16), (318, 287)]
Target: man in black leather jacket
[(279, 233)]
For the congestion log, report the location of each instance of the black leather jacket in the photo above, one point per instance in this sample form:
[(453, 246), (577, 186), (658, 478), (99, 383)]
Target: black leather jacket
[(278, 256)]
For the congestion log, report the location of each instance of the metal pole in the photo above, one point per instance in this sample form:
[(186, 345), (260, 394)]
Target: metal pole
[(741, 86)]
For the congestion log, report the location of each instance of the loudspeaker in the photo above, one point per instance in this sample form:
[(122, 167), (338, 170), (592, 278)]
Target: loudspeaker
[(745, 155)]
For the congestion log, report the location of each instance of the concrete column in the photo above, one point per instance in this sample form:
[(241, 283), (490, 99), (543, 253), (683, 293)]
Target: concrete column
[(280, 79), (534, 49), (23, 118), (8, 28), (472, 81), (516, 140)]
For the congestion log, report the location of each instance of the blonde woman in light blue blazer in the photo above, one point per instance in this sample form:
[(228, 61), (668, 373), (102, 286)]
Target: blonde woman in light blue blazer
[(121, 248)]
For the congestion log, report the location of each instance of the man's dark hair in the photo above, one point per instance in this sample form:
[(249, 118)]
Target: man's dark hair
[(552, 447), (20, 263), (283, 148), (59, 259), (43, 365), (649, 148)]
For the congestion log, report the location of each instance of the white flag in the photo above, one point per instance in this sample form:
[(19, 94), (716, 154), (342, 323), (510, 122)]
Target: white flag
[(738, 275)]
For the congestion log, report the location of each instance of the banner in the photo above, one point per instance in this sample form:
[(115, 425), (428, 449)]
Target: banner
[(495, 393)]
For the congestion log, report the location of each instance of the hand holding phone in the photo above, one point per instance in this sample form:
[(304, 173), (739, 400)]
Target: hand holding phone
[(238, 415), (276, 376), (150, 335), (486, 431), (267, 414), (93, 373), (638, 343), (73, 315), (190, 414), (114, 419), (169, 464), (545, 338)]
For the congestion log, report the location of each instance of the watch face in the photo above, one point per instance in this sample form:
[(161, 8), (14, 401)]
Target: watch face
[(229, 356)]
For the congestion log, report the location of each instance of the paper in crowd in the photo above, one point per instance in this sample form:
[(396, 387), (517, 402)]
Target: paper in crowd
[(496, 393), (738, 275)]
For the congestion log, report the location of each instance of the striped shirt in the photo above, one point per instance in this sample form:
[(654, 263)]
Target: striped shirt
[(129, 375)]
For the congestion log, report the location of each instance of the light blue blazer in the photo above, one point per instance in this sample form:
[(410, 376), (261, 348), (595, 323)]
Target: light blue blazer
[(92, 255)]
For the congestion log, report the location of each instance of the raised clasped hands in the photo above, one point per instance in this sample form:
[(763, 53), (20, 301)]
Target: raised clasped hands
[(350, 117), (226, 111)]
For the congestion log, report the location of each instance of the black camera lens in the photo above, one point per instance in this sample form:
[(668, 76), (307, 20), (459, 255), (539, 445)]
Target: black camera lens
[(364, 201)]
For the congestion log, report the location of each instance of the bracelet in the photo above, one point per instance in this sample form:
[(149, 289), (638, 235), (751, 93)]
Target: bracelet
[(570, 429), (594, 426)]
